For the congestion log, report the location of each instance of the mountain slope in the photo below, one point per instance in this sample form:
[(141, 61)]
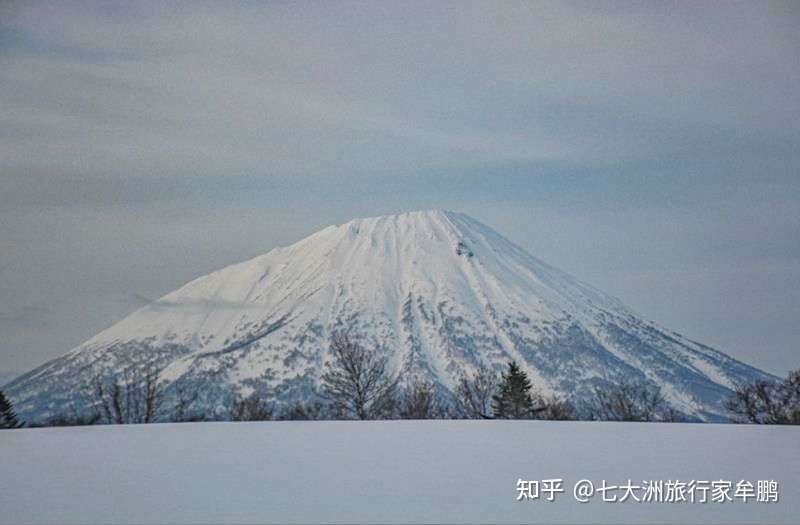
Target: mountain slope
[(439, 292)]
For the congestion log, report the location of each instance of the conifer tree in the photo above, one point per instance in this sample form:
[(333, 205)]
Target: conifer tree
[(514, 399), (8, 418)]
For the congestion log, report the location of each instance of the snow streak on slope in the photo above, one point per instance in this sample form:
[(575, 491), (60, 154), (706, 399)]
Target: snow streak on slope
[(439, 292)]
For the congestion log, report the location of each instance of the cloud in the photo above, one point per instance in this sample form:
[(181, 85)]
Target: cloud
[(193, 304), (29, 317), (142, 145), (221, 90)]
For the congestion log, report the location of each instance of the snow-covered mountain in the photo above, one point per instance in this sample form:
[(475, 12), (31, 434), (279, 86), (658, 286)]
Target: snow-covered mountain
[(439, 292)]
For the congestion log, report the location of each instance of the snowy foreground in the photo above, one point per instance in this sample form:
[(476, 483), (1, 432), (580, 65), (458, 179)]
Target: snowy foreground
[(393, 471)]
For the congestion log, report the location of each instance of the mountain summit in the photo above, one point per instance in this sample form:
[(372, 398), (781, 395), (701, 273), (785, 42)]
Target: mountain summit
[(438, 291)]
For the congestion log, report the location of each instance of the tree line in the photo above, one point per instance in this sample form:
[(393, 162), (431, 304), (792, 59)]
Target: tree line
[(357, 384)]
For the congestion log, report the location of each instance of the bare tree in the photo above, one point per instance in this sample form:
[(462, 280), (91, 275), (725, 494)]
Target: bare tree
[(71, 416), (671, 415), (303, 412), (556, 409), (628, 401), (420, 401), (767, 402), (251, 408), (475, 393), (357, 382), (184, 399), (72, 420), (136, 397)]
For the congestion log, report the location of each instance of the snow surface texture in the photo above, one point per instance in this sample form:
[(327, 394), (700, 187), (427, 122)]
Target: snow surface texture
[(439, 292), (387, 471)]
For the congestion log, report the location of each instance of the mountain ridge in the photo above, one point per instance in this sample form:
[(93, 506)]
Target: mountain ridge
[(436, 291)]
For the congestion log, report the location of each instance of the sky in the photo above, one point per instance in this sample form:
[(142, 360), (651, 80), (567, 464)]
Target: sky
[(650, 149)]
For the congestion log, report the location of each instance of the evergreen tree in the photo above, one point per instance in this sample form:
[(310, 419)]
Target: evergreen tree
[(514, 399), (8, 419)]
